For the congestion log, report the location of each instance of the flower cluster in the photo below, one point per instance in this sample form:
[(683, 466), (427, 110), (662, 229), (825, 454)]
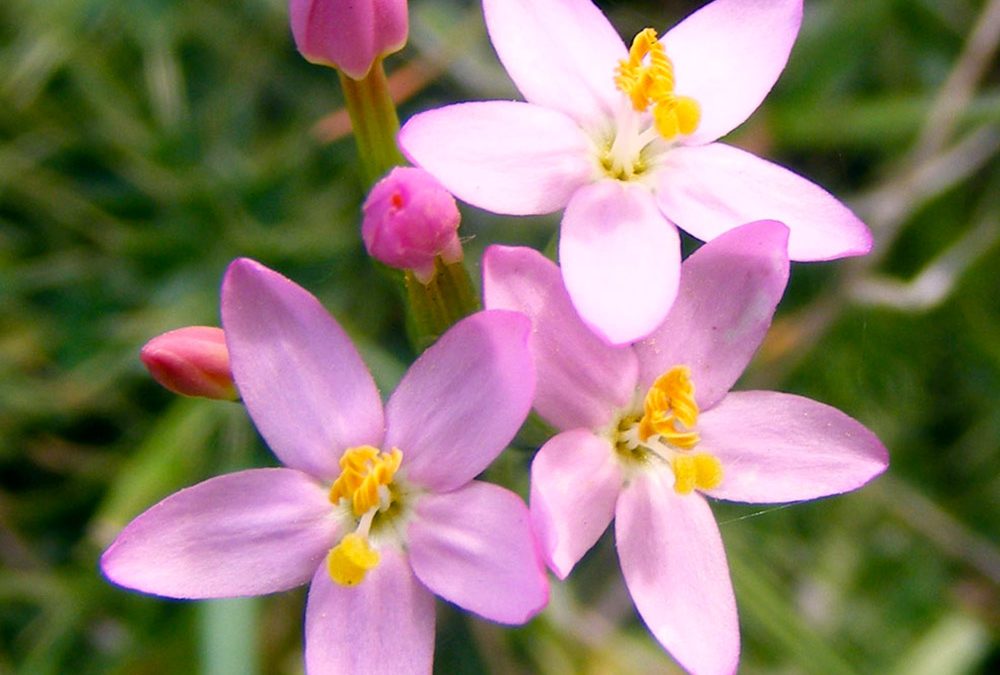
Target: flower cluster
[(626, 351)]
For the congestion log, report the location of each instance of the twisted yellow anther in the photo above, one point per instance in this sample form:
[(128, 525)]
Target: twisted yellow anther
[(363, 471), (670, 409), (647, 78)]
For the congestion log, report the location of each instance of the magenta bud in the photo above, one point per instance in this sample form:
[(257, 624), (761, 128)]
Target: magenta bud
[(348, 35), (192, 361), (409, 220)]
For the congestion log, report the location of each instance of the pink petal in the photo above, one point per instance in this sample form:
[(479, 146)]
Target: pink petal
[(728, 55), (348, 35), (463, 400), (709, 190), (620, 260), (561, 54), (503, 156), (382, 626), (303, 382), (729, 290), (244, 533), (581, 380), (474, 547), (676, 572), (783, 448), (575, 481)]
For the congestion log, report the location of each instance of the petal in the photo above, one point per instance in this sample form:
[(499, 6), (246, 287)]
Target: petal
[(382, 626), (729, 290), (575, 481), (676, 572), (561, 54), (710, 189), (474, 547), (348, 35), (782, 448), (620, 260), (503, 156), (463, 400), (244, 533), (581, 379), (303, 382), (728, 55)]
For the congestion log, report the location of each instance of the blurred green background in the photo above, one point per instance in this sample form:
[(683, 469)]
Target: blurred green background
[(146, 143)]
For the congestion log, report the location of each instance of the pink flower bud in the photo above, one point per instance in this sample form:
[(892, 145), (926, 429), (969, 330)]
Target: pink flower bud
[(348, 35), (409, 219), (191, 361)]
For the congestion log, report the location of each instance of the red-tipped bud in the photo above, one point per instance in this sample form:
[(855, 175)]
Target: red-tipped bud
[(348, 35), (409, 220), (191, 361)]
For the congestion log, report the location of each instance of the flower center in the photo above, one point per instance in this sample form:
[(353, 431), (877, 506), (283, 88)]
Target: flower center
[(365, 486), (646, 78), (665, 432)]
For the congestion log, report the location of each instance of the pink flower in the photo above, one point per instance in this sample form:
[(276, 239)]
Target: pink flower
[(624, 140), (348, 35), (647, 431), (410, 219), (191, 361), (377, 508)]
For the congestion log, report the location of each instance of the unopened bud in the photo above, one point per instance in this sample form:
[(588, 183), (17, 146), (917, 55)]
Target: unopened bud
[(409, 220), (348, 35), (192, 361)]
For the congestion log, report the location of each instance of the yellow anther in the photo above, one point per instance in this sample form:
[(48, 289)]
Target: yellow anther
[(351, 559), (647, 78), (363, 471), (670, 409)]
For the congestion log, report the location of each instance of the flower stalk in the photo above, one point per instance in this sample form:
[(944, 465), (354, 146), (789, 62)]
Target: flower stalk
[(437, 305), (374, 120)]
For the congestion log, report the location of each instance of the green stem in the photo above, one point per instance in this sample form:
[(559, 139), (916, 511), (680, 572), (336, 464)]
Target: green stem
[(374, 120), (436, 306), (229, 640)]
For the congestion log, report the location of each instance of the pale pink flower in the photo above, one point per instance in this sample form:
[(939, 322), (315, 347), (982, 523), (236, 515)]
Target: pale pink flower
[(409, 220), (647, 431), (191, 361), (625, 141), (383, 501), (348, 34)]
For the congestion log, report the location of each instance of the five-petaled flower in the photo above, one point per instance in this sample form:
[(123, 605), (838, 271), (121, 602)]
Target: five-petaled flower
[(378, 507), (625, 140), (645, 430)]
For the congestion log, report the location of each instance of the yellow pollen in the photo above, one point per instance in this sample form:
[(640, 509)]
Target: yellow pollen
[(363, 471), (670, 409), (647, 78), (667, 430), (351, 559)]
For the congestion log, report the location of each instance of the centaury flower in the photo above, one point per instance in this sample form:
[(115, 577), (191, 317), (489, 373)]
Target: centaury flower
[(647, 431), (378, 508), (348, 34), (191, 361), (409, 221), (625, 140)]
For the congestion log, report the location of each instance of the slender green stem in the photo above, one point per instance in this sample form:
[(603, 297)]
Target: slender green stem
[(375, 122), (229, 641), (436, 306)]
